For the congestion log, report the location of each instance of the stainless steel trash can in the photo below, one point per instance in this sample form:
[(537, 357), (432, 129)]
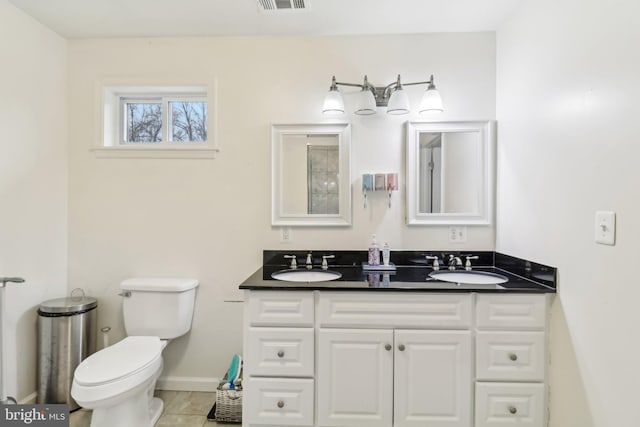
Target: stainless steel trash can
[(66, 336)]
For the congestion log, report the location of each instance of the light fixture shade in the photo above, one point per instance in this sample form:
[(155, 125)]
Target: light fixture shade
[(365, 103), (431, 102), (333, 103), (398, 103)]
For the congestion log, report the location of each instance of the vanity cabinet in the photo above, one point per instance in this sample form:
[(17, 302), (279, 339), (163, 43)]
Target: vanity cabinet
[(511, 360), (379, 378), (375, 371), (279, 359), (394, 359)]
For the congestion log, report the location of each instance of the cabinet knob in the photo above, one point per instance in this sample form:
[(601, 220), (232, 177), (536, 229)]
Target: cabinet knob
[(281, 353), (513, 409), (401, 347), (513, 356), (387, 347), (280, 404)]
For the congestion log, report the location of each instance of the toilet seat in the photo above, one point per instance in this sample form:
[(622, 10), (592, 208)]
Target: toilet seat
[(117, 371), (121, 360)]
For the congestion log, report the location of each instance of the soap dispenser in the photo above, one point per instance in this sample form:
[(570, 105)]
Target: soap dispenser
[(374, 252), (386, 254)]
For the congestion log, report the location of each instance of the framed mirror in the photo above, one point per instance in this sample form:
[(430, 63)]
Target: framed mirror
[(450, 172), (310, 175)]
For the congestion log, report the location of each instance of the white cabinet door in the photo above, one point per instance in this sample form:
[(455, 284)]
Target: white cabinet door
[(432, 383), (355, 377)]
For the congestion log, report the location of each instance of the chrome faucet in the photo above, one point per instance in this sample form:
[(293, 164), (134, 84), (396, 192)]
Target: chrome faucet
[(454, 261), (325, 265), (436, 262), (467, 265), (294, 262), (309, 262)]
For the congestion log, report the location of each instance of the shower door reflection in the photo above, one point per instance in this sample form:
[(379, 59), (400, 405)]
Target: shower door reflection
[(323, 193)]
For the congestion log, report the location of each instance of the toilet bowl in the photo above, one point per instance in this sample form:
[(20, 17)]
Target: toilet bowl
[(112, 380), (118, 382)]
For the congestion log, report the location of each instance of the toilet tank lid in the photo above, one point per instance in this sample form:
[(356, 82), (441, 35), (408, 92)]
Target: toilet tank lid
[(159, 284)]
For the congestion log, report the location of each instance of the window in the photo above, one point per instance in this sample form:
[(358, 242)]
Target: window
[(142, 121), (163, 119)]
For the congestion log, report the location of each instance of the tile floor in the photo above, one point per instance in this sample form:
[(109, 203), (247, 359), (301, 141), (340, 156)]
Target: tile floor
[(181, 409)]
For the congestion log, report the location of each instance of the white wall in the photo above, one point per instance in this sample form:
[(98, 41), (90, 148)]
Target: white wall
[(33, 184), (568, 109), (211, 218)]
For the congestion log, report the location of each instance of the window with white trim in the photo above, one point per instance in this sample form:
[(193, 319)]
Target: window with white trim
[(157, 118)]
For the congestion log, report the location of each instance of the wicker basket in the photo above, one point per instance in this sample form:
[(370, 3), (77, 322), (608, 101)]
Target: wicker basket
[(229, 405)]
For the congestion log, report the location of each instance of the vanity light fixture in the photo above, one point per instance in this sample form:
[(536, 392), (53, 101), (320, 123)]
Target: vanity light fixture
[(391, 96)]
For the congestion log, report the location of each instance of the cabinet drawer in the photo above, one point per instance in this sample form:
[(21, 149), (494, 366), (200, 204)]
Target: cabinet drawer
[(286, 352), (272, 308), (278, 401), (394, 310), (504, 405), (510, 356), (511, 311)]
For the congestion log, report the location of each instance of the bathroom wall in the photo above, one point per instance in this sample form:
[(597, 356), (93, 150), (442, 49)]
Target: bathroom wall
[(567, 105), (33, 184), (210, 219)]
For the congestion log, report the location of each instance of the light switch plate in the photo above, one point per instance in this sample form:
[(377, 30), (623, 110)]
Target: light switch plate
[(605, 227)]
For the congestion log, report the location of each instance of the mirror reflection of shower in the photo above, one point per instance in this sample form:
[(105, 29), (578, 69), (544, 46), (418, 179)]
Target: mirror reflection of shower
[(323, 193)]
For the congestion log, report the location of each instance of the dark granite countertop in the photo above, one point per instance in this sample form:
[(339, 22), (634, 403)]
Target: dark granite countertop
[(415, 277)]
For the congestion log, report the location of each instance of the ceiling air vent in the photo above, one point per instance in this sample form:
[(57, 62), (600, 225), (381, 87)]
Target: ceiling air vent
[(276, 5)]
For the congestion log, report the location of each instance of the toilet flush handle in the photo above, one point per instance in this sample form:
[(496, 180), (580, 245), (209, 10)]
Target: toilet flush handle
[(126, 294)]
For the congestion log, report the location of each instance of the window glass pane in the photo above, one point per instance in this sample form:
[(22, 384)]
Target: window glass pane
[(189, 121), (143, 122)]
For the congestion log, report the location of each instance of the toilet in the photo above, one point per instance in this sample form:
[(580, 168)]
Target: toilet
[(117, 382)]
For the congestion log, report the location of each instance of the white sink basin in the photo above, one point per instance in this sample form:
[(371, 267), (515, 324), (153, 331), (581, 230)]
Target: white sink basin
[(469, 277), (306, 275)]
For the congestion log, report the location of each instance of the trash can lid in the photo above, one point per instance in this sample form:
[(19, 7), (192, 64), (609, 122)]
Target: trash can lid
[(68, 305)]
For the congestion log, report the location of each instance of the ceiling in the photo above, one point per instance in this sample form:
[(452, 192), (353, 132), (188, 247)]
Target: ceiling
[(157, 18)]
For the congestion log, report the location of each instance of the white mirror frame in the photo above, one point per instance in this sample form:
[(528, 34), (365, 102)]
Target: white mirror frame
[(484, 216), (278, 217)]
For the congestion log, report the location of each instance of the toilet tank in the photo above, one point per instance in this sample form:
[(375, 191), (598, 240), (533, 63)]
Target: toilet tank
[(160, 307)]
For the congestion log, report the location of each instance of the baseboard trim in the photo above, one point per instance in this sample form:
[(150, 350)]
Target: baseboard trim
[(187, 383), (164, 383), (30, 399)]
